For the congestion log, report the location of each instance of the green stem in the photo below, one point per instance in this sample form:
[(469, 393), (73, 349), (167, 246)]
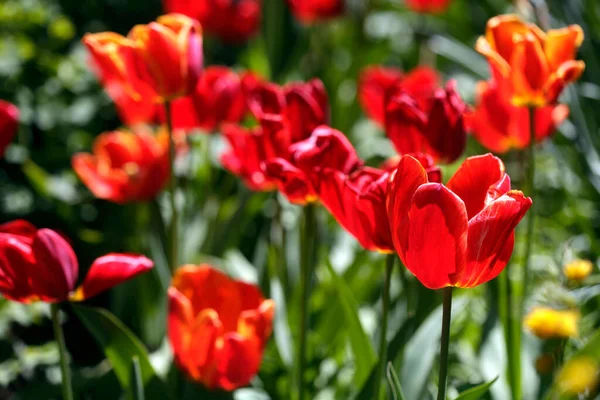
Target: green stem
[(444, 343), (513, 338), (62, 350), (389, 267), (307, 259), (531, 191), (173, 230)]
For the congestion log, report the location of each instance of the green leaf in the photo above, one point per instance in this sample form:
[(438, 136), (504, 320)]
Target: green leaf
[(135, 380), (476, 392), (394, 382), (120, 346), (362, 348)]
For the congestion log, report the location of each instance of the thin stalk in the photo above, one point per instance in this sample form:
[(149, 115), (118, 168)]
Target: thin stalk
[(444, 343), (67, 389), (531, 191), (389, 267), (307, 266), (512, 334), (173, 229)]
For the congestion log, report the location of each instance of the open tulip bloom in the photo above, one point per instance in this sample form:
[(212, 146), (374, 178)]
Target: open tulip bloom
[(461, 234), (40, 265)]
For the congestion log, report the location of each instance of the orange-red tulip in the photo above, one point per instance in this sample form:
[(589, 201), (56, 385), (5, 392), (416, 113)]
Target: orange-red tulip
[(40, 265), (125, 166), (218, 327), (165, 56), (376, 84), (500, 126), (325, 149), (537, 65), (461, 234), (433, 125), (428, 6), (230, 20), (9, 122), (309, 11)]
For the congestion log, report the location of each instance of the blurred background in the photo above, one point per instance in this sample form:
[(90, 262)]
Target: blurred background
[(44, 70)]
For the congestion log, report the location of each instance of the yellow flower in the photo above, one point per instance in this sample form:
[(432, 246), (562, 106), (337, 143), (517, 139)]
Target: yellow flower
[(578, 376), (578, 270), (547, 323)]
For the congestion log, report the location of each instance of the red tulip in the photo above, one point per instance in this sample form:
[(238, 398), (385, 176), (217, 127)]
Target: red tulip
[(433, 125), (458, 235), (304, 106), (230, 20), (218, 327), (219, 97), (500, 126), (377, 83), (165, 56), (325, 149), (125, 166), (9, 122), (249, 149), (40, 265), (428, 6), (537, 65), (309, 11)]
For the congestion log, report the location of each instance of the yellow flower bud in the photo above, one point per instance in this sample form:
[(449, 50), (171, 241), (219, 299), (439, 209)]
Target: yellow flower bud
[(547, 323), (578, 270), (578, 376)]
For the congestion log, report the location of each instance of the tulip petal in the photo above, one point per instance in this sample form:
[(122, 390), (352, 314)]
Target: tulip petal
[(476, 179), (25, 230), (500, 32), (568, 72), (180, 319), (530, 71), (290, 180), (103, 186), (238, 361), (56, 266), (257, 322), (405, 123), (108, 271), (204, 347), (433, 235), (373, 87), (16, 266), (491, 239), (561, 45)]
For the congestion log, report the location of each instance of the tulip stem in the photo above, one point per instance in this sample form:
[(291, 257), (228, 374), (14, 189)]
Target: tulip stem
[(531, 189), (173, 229), (62, 351), (308, 260), (389, 267), (444, 343)]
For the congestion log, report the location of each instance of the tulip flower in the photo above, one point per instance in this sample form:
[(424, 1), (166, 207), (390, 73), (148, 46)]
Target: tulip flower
[(218, 97), (428, 6), (325, 149), (500, 126), (309, 11), (232, 21), (432, 125), (40, 265), (458, 235), (537, 65), (125, 166), (377, 83), (217, 327), (9, 122), (165, 56)]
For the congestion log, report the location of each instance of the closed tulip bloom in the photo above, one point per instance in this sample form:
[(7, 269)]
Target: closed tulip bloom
[(218, 97), (165, 56), (501, 126), (9, 122), (537, 65), (325, 149), (309, 11), (376, 84), (40, 265), (548, 323), (232, 21), (218, 327), (125, 166), (461, 234), (428, 6), (434, 125)]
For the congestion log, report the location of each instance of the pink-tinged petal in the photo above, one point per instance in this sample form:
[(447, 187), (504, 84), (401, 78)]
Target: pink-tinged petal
[(16, 265), (476, 179), (491, 239), (238, 361), (433, 235), (56, 266), (111, 270)]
